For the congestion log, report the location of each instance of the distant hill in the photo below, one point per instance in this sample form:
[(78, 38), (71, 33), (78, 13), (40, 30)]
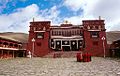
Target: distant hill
[(112, 36), (21, 37)]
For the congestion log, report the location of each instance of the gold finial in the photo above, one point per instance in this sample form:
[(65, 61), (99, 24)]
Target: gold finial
[(66, 22)]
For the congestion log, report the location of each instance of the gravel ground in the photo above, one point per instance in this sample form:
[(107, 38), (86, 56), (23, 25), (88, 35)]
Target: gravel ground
[(59, 67)]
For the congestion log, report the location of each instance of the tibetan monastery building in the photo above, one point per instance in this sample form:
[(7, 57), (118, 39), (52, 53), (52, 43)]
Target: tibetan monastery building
[(88, 37)]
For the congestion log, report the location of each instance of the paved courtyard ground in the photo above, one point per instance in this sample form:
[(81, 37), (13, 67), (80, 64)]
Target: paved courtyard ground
[(59, 67)]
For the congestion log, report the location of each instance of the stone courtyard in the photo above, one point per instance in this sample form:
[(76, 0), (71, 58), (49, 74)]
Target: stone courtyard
[(59, 67)]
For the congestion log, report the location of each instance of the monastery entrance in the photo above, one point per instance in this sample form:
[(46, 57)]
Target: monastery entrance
[(66, 48), (66, 44)]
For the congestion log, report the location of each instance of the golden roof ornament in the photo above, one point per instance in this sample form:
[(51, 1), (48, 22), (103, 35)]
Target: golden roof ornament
[(66, 22)]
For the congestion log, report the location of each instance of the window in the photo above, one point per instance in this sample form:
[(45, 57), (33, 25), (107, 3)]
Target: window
[(69, 33), (60, 32), (96, 27), (40, 35), (81, 33), (52, 32), (16, 45), (11, 44), (75, 32), (55, 32), (78, 32), (91, 27), (94, 34), (31, 28)]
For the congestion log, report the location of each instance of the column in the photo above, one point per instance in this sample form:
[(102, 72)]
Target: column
[(13, 54), (8, 53), (77, 44), (51, 33), (50, 43), (61, 44), (2, 54), (23, 53), (55, 44), (70, 44), (113, 53)]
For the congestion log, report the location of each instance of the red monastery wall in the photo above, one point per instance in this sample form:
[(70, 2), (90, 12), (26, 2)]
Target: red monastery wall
[(94, 30), (39, 31)]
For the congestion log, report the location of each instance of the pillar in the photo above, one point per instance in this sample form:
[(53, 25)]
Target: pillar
[(13, 54), (113, 53), (77, 44), (61, 44), (70, 44), (8, 53), (23, 53), (55, 44), (2, 54)]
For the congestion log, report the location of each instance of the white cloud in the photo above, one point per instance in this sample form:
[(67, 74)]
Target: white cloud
[(19, 20), (77, 20), (74, 20), (109, 10), (74, 5), (49, 14)]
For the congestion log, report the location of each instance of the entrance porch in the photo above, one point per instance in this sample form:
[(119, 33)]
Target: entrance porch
[(66, 44)]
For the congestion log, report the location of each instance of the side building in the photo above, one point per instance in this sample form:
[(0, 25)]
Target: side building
[(11, 48)]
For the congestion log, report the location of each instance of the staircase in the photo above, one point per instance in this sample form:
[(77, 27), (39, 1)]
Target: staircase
[(68, 54)]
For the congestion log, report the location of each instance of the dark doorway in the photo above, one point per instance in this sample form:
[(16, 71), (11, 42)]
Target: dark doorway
[(20, 53), (117, 53), (58, 45), (66, 48), (74, 46)]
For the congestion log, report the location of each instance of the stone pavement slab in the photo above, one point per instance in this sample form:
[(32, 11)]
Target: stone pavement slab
[(59, 67)]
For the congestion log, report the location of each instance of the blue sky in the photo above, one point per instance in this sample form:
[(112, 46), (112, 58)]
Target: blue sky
[(15, 15), (14, 4)]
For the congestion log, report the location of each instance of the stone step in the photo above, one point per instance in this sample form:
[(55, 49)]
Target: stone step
[(70, 54)]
